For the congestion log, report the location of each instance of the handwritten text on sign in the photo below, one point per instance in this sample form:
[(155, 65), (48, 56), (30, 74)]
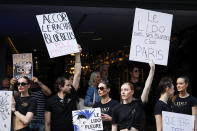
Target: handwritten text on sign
[(5, 110), (58, 34), (151, 36), (177, 122), (87, 120)]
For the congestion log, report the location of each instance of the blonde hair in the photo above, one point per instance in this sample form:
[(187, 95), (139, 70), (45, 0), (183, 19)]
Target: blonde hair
[(93, 78)]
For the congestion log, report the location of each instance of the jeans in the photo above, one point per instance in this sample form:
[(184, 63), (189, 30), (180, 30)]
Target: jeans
[(35, 126)]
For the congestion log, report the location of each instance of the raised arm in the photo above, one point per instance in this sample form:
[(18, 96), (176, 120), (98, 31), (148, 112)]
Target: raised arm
[(77, 70), (44, 88), (145, 93)]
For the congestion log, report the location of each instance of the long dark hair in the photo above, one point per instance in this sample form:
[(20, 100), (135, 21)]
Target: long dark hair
[(186, 80), (165, 82)]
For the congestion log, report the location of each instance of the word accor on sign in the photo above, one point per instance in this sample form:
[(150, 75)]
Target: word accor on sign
[(53, 18)]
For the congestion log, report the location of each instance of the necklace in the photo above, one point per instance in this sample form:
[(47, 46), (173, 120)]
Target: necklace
[(104, 101)]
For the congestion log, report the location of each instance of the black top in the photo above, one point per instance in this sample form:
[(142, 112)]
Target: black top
[(106, 109), (25, 104), (184, 105), (161, 106), (128, 115), (61, 111), (138, 89)]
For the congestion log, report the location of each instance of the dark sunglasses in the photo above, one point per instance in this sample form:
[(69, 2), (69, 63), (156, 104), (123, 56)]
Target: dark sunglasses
[(136, 70), (100, 88), (22, 84)]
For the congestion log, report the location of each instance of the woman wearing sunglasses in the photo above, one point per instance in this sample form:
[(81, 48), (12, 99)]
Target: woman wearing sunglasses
[(128, 115), (23, 107), (106, 104)]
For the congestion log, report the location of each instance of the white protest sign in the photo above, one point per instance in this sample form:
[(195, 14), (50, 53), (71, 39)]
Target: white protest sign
[(177, 122), (58, 34), (87, 120), (5, 110), (151, 36), (22, 65)]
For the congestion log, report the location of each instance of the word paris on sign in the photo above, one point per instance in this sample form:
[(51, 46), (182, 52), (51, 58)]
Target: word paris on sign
[(151, 37), (58, 34)]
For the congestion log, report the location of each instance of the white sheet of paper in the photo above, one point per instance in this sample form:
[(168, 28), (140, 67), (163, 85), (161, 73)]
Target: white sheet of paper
[(5, 110), (58, 34), (151, 36), (177, 122), (87, 120)]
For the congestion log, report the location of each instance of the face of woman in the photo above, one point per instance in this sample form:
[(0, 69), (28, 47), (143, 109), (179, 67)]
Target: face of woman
[(171, 90), (126, 92), (181, 85), (102, 90), (98, 78), (22, 85)]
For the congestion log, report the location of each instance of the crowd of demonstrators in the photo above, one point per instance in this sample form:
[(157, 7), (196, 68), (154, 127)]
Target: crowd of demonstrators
[(106, 104), (23, 106), (92, 95), (131, 119), (58, 114), (36, 112), (166, 88)]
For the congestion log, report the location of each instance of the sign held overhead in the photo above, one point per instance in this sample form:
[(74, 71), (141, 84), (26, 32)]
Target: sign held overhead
[(58, 34), (151, 36)]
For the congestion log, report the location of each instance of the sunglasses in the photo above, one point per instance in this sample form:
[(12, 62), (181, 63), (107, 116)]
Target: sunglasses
[(22, 84), (100, 88), (136, 70)]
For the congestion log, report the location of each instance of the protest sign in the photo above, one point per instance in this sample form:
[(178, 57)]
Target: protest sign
[(151, 36), (87, 120), (58, 34), (5, 110), (22, 65), (177, 122)]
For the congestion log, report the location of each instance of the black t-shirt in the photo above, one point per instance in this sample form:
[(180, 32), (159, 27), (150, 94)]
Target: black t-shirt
[(25, 104), (61, 111), (184, 105), (128, 115), (161, 106), (106, 109), (138, 89)]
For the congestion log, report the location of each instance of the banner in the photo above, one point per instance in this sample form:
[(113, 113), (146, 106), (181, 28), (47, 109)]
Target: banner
[(58, 34), (151, 36), (177, 122), (5, 110), (22, 65), (87, 120)]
